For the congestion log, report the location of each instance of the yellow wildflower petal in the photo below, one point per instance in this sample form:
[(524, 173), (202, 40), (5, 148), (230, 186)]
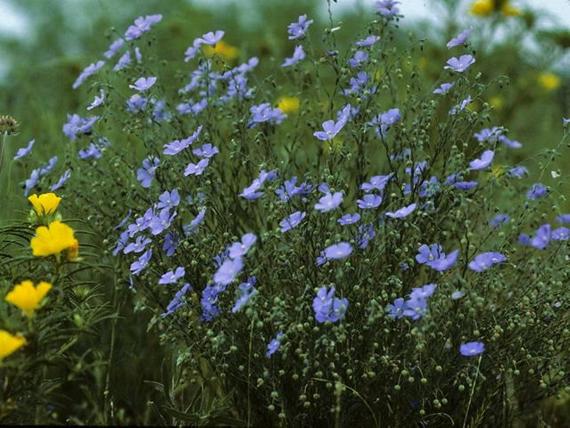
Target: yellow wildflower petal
[(27, 297), (45, 204), (222, 49), (549, 81), (288, 104), (9, 343), (510, 10), (482, 7), (53, 239)]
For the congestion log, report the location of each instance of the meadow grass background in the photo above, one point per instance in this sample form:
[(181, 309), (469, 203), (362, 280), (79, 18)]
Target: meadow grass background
[(530, 95)]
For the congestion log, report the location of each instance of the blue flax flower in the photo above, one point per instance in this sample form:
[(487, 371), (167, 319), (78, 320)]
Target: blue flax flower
[(146, 173), (172, 276), (178, 301), (459, 65), (298, 56), (484, 261), (402, 212), (292, 221), (327, 307), (274, 345), (471, 349), (246, 291), (142, 25), (298, 29), (459, 40), (24, 151)]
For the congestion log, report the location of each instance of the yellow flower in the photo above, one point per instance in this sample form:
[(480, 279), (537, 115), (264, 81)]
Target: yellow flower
[(45, 204), (497, 102), (498, 171), (510, 10), (549, 81), (288, 104), (483, 7), (222, 49), (54, 239), (9, 343), (27, 297)]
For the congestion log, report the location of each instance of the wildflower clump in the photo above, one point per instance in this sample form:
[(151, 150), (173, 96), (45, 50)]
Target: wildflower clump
[(328, 262)]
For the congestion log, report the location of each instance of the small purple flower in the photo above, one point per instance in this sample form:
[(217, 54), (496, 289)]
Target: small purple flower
[(97, 101), (424, 292), (228, 271), (274, 345), (402, 212), (114, 48), (206, 151), (212, 37), (347, 219), (484, 261), (196, 168), (396, 310), (330, 130), (161, 222), (384, 121), (125, 60), (443, 89), (176, 146), (327, 307), (472, 349), (292, 221), (367, 42), (89, 71), (140, 244), (172, 277), (428, 254), (499, 220), (168, 200), (178, 301), (459, 65), (136, 103), (298, 55), (338, 251), (91, 152), (377, 182), (542, 237), (536, 191), (253, 191), (434, 257), (170, 244), (140, 26), (387, 8), (511, 144), (329, 202), (298, 29), (139, 265), (246, 291), (465, 185), (195, 223), (563, 219), (483, 162), (358, 59), (461, 106), (265, 113), (369, 201), (62, 180), (146, 173), (240, 249), (490, 135), (24, 151), (77, 126), (366, 233), (518, 172), (459, 40), (143, 84), (290, 189), (560, 234)]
